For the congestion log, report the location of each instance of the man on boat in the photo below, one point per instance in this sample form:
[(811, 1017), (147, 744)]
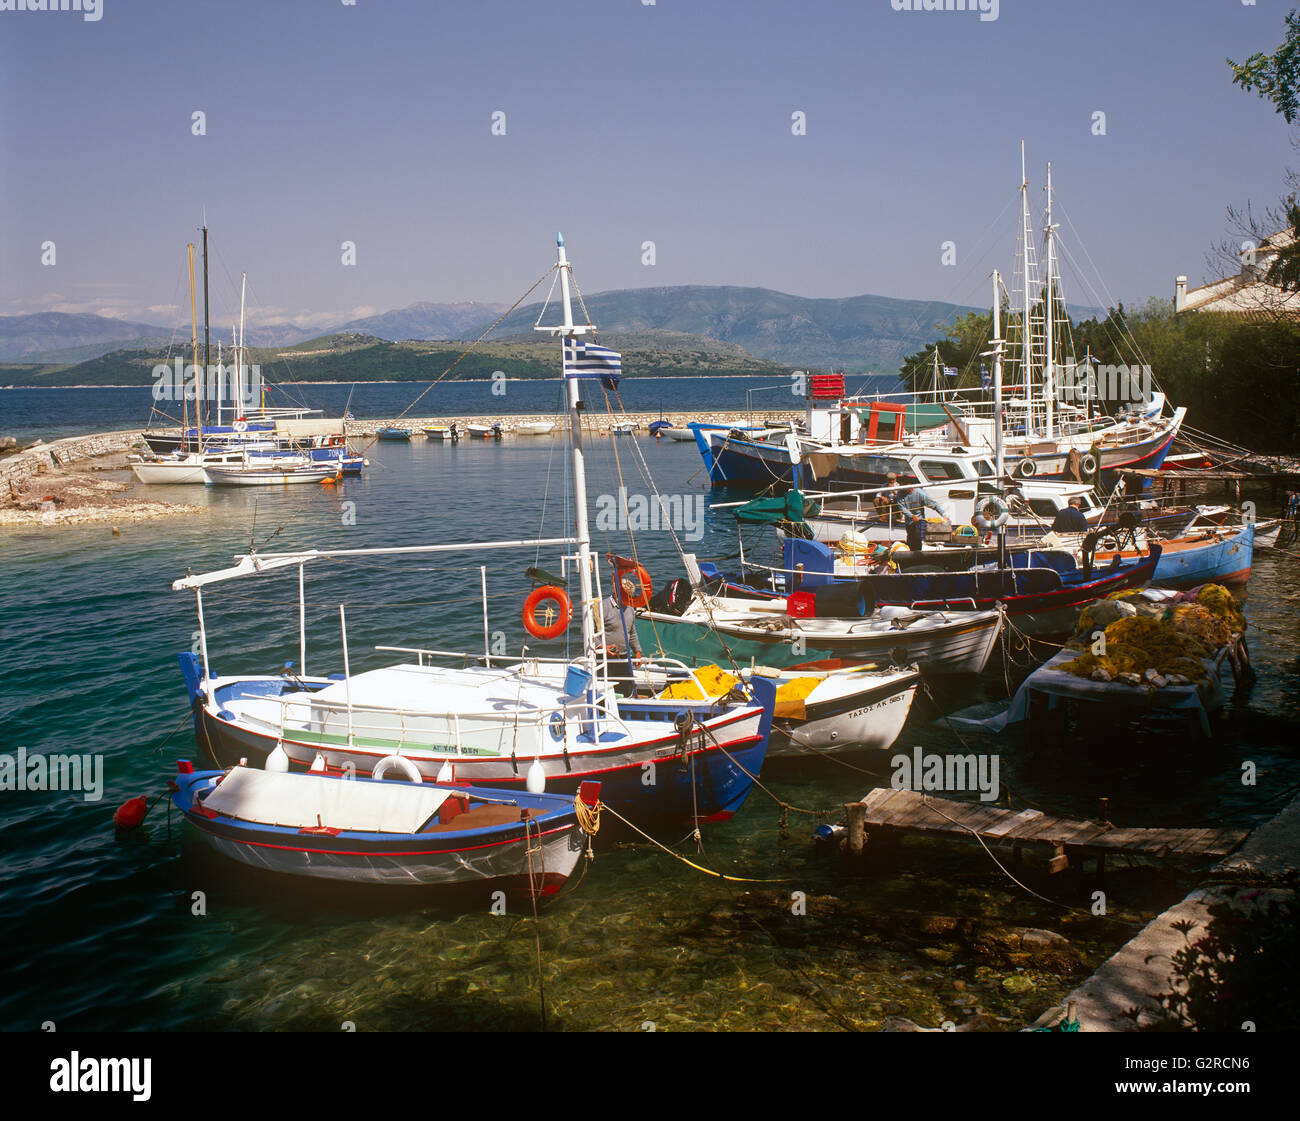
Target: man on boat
[(619, 619), (916, 501), (1070, 519)]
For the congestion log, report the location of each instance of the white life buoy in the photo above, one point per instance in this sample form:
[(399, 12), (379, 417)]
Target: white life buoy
[(1088, 464), (1026, 468), (240, 425), (403, 764)]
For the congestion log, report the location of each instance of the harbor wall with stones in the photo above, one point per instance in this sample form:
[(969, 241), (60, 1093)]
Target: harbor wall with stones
[(17, 469)]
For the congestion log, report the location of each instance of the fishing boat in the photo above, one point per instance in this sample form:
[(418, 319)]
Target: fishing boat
[(516, 723), (442, 432), (480, 431), (811, 625), (830, 706), (252, 475), (1203, 554), (371, 830), (660, 427), (1040, 588), (623, 427), (389, 433)]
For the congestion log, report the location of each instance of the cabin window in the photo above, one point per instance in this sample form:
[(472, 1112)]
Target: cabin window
[(938, 470), (983, 468)]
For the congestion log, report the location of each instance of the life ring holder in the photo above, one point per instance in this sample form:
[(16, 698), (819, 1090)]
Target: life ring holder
[(538, 596), (1026, 468), (402, 763), (642, 578)]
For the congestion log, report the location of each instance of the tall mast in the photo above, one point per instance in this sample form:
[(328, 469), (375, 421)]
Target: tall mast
[(568, 331), (1049, 353), (207, 347), (194, 349), (239, 352), (997, 376)]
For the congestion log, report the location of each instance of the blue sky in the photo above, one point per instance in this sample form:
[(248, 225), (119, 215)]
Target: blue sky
[(625, 123)]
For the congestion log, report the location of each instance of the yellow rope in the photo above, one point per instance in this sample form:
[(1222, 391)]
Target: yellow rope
[(678, 856)]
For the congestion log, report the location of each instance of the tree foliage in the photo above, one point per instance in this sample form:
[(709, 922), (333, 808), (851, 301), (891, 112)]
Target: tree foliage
[(1275, 77)]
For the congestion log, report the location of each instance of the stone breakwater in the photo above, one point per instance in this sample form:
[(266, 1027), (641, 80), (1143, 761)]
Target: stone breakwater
[(39, 487), (17, 469), (600, 423)]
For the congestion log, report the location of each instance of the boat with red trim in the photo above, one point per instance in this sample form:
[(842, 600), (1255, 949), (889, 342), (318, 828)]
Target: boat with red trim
[(389, 832)]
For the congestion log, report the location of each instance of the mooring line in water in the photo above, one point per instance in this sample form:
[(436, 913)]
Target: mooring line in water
[(537, 922), (179, 724), (678, 856), (1055, 903), (754, 779)]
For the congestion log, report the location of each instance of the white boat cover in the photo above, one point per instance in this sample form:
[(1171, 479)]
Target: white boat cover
[(305, 429), (298, 801)]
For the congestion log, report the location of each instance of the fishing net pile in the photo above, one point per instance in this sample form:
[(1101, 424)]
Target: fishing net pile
[(1162, 643)]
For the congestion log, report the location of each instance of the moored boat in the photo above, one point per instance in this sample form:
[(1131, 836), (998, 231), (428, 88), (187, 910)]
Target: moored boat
[(251, 475), (389, 832)]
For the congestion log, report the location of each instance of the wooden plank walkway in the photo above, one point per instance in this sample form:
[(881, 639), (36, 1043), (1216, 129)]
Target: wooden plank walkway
[(901, 812)]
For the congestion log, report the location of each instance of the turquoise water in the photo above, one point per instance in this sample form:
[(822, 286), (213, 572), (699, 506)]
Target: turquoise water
[(101, 932)]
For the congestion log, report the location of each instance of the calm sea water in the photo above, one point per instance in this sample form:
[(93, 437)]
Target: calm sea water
[(101, 933)]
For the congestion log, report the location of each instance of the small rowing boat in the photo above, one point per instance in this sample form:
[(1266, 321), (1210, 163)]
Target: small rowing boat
[(241, 476), (396, 832)]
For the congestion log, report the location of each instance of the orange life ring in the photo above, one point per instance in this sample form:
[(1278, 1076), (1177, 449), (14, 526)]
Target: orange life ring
[(643, 578), (538, 596)]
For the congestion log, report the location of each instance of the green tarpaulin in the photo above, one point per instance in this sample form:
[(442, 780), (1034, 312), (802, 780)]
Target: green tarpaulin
[(789, 507)]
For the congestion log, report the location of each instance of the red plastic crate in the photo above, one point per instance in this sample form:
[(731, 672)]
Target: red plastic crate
[(826, 386)]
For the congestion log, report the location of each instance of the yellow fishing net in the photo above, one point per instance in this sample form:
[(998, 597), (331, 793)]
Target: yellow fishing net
[(717, 682)]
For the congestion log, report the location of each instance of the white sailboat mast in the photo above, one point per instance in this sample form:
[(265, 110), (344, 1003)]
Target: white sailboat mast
[(239, 350), (1049, 353), (568, 330), (1026, 328), (997, 377)]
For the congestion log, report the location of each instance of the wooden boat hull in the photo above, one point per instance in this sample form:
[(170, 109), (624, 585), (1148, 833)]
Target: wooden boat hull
[(962, 642), (490, 856)]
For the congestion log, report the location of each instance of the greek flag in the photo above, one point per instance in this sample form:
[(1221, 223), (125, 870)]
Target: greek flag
[(587, 360), (950, 371)]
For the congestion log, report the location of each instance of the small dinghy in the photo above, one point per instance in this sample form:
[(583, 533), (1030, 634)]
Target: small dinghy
[(623, 427), (536, 428), (441, 432), (387, 433), (492, 431), (239, 476), (395, 832)]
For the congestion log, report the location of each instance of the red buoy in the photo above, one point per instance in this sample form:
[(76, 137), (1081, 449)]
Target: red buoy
[(130, 814)]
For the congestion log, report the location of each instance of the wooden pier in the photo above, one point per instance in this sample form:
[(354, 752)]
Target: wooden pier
[(885, 816)]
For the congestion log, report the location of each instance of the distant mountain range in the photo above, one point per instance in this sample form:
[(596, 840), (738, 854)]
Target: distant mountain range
[(860, 333)]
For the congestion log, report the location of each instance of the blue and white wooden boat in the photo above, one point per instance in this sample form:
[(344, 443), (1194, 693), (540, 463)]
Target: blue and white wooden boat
[(390, 433), (384, 831), (544, 723), (1040, 589), (1207, 554)]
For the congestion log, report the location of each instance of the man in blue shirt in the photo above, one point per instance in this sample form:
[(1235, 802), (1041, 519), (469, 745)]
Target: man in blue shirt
[(916, 501), (1070, 519)]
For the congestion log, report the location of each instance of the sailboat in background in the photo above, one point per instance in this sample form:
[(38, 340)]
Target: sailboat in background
[(245, 431)]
